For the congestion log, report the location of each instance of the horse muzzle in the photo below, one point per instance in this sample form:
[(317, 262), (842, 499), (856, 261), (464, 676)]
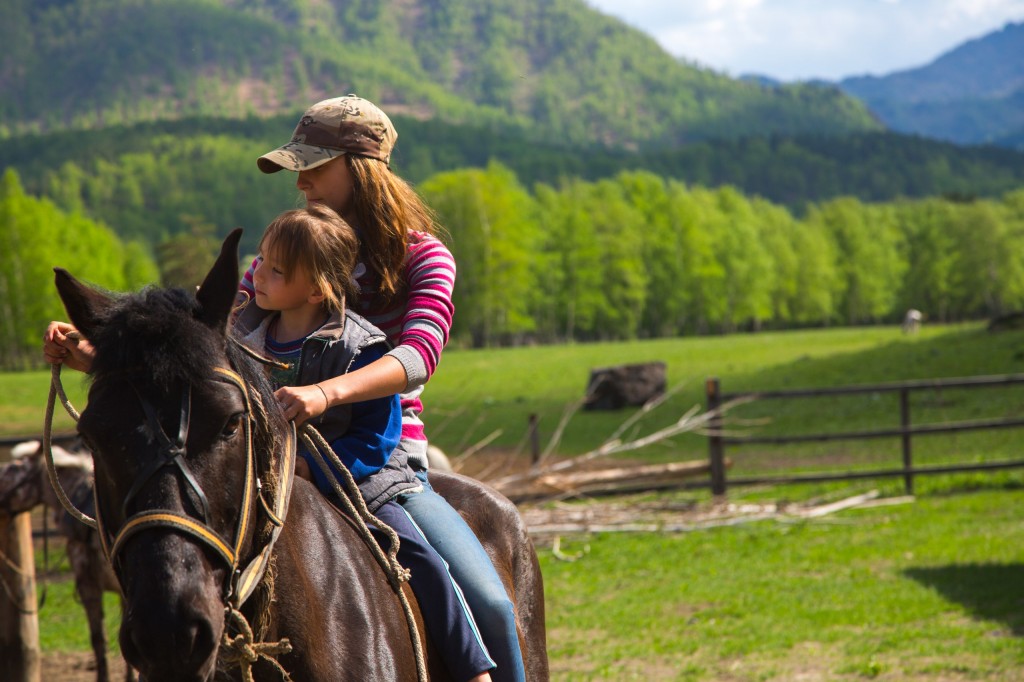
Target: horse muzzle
[(173, 614)]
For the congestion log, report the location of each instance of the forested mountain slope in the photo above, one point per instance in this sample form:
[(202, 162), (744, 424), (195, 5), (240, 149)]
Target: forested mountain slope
[(558, 68), (971, 94)]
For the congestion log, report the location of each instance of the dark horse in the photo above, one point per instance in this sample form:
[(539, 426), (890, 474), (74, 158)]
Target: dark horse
[(23, 486), (193, 463)]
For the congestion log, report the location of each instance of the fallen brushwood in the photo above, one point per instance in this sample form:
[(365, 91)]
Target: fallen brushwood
[(606, 481)]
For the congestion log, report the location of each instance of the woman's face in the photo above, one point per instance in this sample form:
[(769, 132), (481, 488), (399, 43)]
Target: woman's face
[(329, 184)]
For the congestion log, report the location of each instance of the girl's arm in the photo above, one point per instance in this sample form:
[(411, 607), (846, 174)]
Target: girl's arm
[(373, 433), (367, 445), (381, 378)]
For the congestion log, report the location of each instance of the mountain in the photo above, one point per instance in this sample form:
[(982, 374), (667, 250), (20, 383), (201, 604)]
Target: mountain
[(555, 68), (972, 94)]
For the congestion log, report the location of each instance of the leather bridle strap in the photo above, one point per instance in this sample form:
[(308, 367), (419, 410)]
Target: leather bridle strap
[(169, 452), (250, 576), (166, 517)]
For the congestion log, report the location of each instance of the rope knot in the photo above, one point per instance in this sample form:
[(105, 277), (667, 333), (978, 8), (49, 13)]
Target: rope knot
[(242, 652)]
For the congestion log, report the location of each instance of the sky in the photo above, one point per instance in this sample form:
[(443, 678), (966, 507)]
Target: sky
[(806, 39)]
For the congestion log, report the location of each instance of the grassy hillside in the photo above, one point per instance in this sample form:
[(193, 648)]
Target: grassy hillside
[(567, 71)]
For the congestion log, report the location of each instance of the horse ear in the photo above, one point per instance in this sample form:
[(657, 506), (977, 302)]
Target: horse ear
[(216, 295), (83, 303)]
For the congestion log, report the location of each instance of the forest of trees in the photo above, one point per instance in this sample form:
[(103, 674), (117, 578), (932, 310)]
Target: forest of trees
[(35, 237), (632, 256), (641, 256)]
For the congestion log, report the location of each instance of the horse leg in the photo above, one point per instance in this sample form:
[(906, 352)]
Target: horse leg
[(90, 591)]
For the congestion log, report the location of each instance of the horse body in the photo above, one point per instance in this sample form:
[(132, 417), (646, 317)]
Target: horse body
[(184, 458), (23, 486)]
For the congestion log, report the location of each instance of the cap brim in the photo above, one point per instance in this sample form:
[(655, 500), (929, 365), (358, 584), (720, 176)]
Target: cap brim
[(296, 157)]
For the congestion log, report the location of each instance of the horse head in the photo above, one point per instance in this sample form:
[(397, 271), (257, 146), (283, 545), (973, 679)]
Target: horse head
[(23, 482), (170, 421)]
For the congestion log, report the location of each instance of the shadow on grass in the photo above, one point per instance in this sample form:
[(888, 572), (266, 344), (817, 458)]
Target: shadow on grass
[(989, 591)]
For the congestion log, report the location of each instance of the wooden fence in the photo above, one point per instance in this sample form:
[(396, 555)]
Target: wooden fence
[(718, 440)]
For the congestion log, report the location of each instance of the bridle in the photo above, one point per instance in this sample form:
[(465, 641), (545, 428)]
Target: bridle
[(241, 581)]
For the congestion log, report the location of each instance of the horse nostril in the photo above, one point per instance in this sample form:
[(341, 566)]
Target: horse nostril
[(179, 646)]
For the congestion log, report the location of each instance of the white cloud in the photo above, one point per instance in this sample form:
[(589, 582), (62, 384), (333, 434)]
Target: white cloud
[(792, 39)]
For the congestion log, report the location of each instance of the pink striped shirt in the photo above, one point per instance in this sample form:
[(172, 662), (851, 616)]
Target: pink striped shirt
[(418, 326)]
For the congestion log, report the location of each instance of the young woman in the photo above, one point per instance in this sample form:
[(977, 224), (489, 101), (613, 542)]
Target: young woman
[(340, 150)]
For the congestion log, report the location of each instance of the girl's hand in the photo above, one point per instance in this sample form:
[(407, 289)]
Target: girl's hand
[(302, 403), (62, 344)]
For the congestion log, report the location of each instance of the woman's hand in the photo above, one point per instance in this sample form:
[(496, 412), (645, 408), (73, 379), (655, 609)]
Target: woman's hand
[(302, 403), (63, 344)]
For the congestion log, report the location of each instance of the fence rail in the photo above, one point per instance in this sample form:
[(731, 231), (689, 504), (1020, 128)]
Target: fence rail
[(717, 442)]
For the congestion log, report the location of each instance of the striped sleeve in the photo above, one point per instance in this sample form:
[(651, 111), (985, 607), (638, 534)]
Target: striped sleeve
[(427, 321), (246, 284)]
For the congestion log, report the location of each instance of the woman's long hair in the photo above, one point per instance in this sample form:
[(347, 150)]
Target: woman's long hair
[(386, 209)]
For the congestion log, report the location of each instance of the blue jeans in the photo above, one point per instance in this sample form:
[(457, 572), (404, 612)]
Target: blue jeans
[(472, 569), (445, 614)]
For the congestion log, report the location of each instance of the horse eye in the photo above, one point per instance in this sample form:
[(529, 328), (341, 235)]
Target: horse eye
[(233, 424)]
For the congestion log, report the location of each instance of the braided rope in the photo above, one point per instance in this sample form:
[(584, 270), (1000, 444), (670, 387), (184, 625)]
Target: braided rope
[(356, 507), (243, 652), (56, 387)]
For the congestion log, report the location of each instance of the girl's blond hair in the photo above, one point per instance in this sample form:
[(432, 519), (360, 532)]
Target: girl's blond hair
[(386, 209), (319, 241)]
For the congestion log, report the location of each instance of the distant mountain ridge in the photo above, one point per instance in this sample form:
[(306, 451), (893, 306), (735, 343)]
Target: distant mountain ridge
[(972, 94), (556, 68)]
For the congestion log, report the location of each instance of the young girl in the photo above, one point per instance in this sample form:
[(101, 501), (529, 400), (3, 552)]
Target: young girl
[(341, 149), (298, 316)]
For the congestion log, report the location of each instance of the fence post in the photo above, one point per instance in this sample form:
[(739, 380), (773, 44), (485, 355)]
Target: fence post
[(20, 658), (534, 440), (716, 447), (908, 464)]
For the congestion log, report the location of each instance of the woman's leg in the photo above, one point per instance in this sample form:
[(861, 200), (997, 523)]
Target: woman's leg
[(472, 569), (447, 617)]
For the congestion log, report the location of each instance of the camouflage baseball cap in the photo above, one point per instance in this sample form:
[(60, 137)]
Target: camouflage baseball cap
[(333, 127)]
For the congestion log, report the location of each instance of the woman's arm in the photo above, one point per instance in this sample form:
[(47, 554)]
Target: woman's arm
[(419, 332)]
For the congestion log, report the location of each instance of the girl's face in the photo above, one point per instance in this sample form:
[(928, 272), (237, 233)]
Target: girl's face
[(329, 184), (275, 291)]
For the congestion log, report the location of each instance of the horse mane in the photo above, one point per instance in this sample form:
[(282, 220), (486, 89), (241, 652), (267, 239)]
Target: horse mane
[(156, 331)]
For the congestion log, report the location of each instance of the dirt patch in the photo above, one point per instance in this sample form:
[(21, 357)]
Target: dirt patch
[(77, 666)]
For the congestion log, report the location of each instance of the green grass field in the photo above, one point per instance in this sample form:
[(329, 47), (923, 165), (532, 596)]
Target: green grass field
[(929, 590)]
